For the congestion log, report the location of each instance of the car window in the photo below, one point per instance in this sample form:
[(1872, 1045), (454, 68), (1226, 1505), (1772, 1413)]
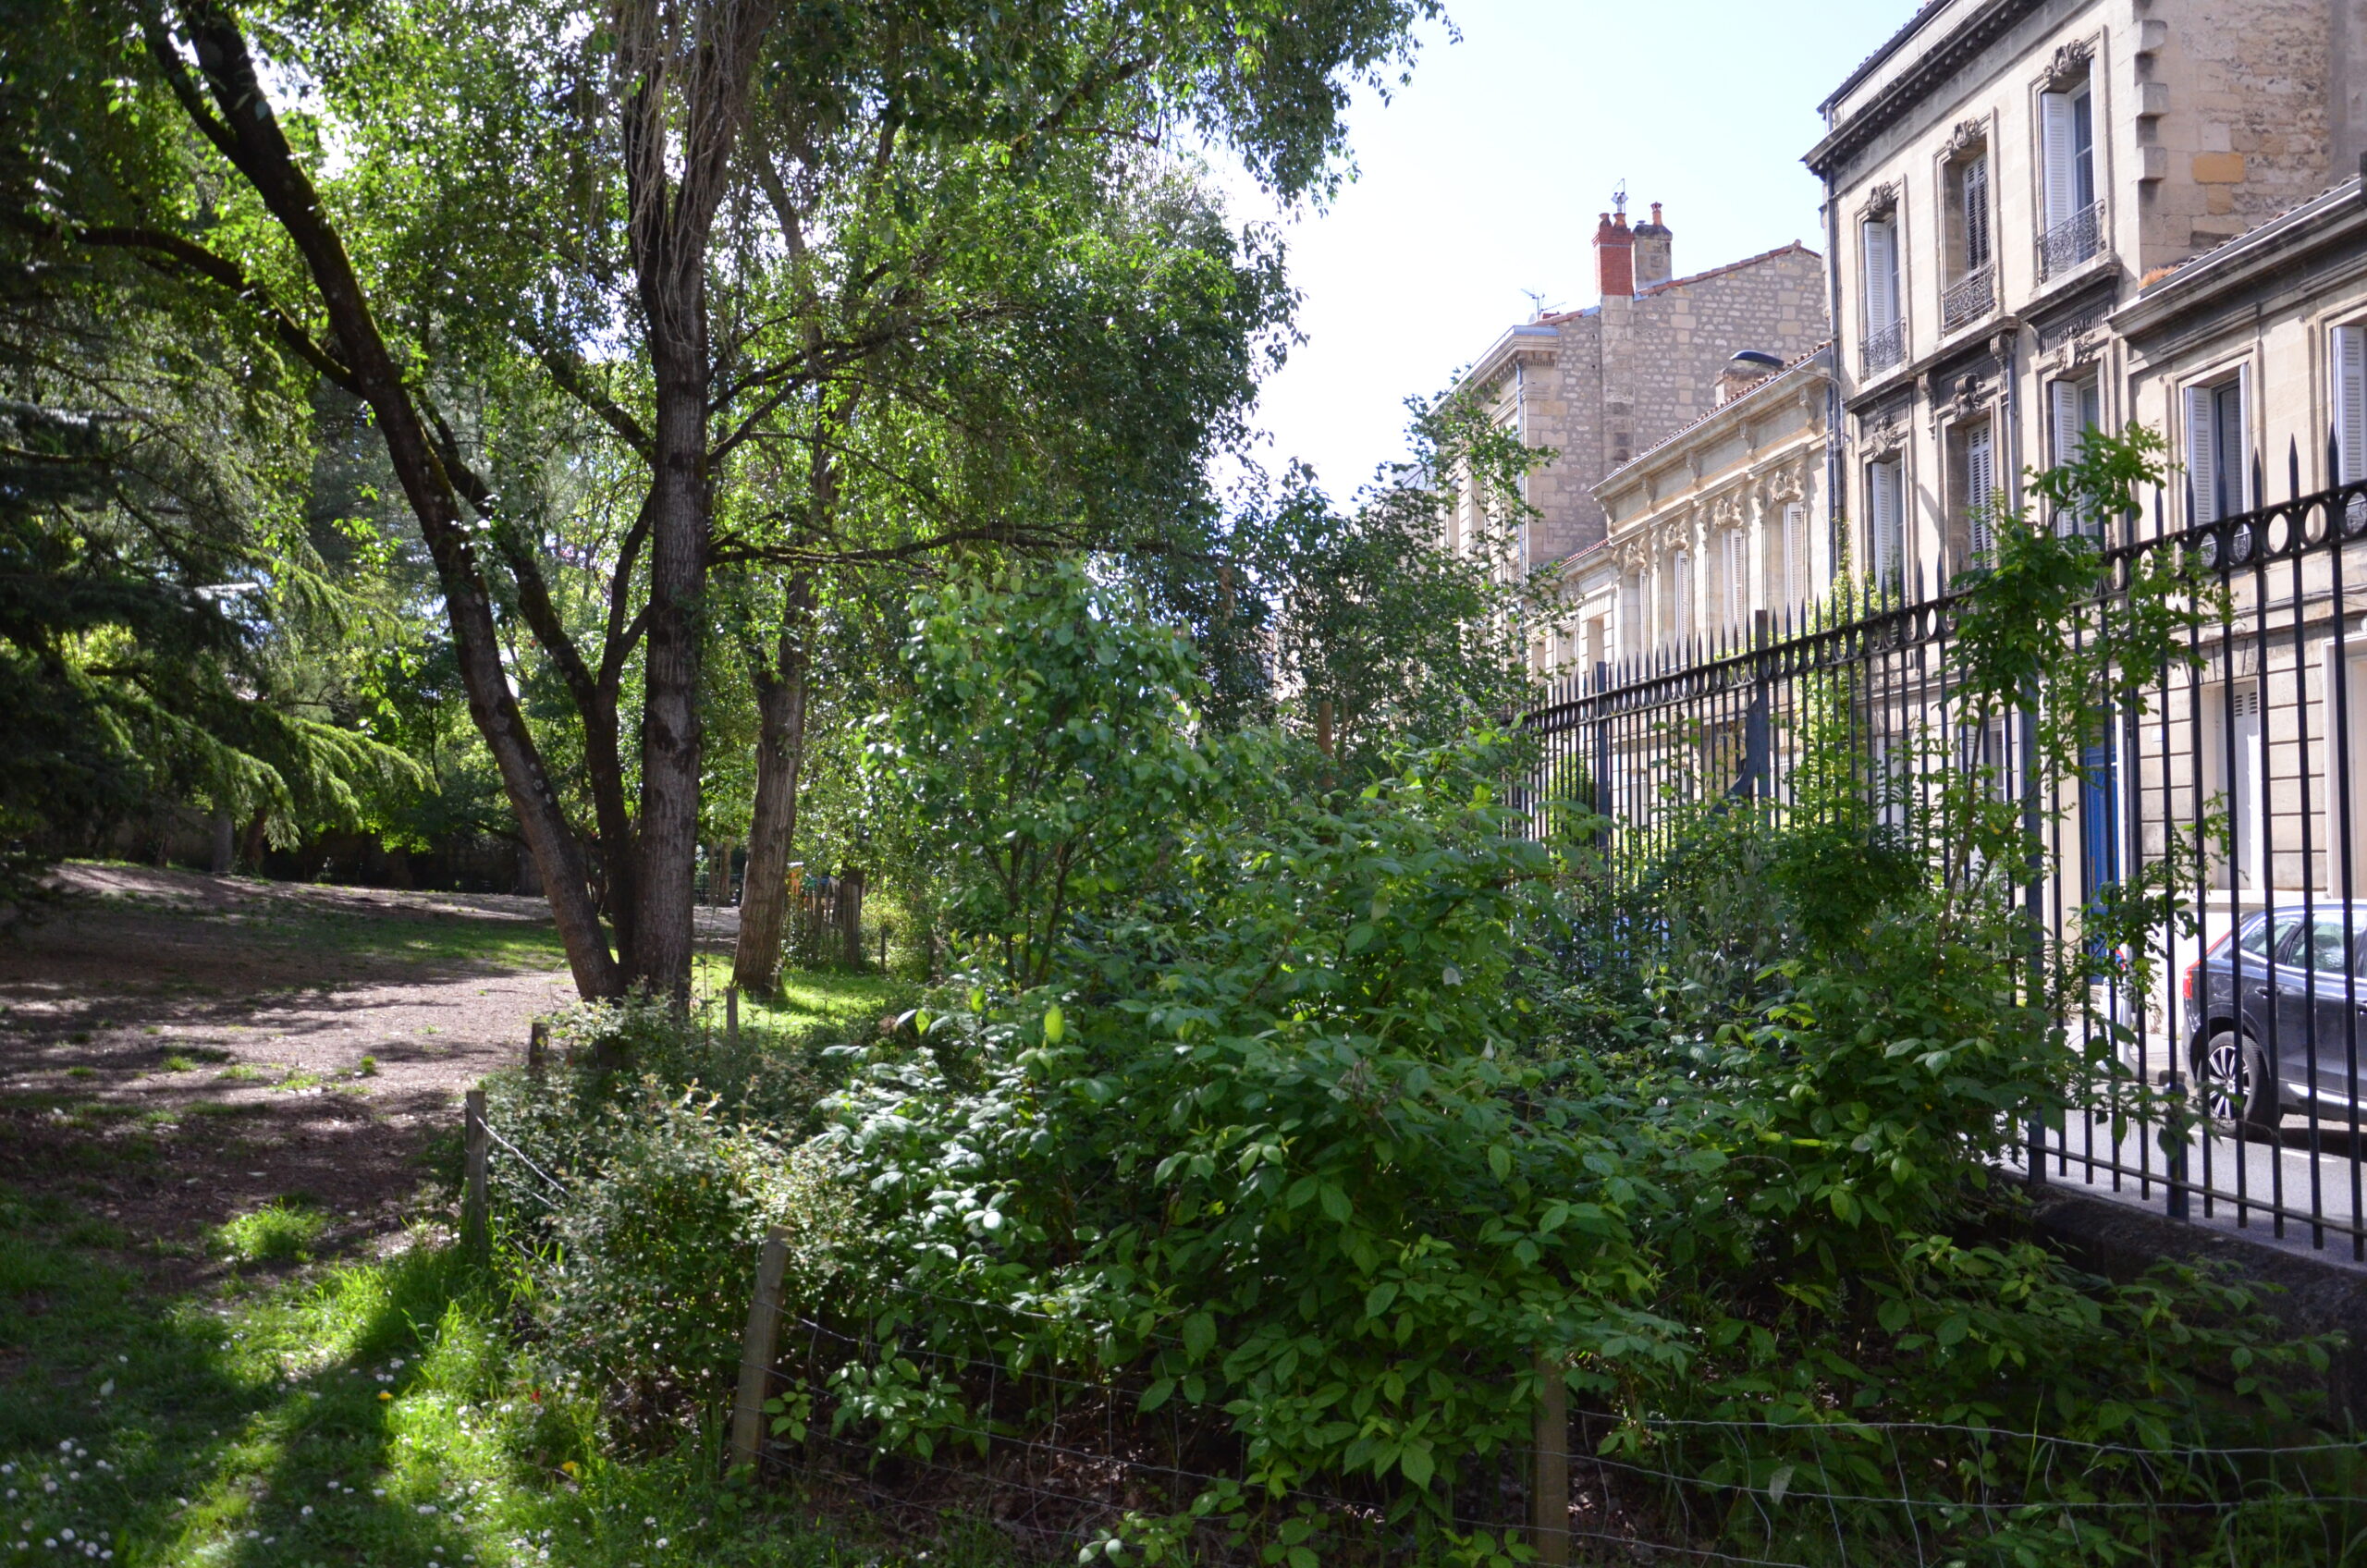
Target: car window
[(2257, 938), (2328, 946)]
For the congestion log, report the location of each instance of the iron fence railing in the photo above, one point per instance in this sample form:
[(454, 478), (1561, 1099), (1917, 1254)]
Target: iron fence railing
[(2243, 778), (2075, 239), (1884, 346), (1969, 299)]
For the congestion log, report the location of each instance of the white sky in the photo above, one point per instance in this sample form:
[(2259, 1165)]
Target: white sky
[(1484, 176)]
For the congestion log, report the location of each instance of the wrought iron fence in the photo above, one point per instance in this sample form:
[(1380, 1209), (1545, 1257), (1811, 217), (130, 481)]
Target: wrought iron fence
[(2073, 241), (1884, 346), (2242, 777), (1969, 299)]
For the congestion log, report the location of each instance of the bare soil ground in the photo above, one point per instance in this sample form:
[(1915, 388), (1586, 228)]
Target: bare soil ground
[(176, 1048)]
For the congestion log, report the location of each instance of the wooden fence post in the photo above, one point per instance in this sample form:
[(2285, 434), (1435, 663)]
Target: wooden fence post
[(538, 1044), (1549, 1488), (732, 1014), (475, 1231), (756, 1351)]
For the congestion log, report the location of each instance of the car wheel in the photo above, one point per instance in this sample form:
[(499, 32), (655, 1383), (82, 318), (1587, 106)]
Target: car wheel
[(2231, 1075)]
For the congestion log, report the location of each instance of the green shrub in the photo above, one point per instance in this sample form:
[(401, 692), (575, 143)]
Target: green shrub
[(649, 1192)]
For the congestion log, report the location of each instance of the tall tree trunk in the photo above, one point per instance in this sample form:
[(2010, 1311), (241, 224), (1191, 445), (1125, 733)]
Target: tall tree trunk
[(772, 825), (666, 855), (851, 916), (682, 114), (247, 132)]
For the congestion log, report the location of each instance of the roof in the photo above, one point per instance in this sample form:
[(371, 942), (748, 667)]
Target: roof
[(1793, 248), (1891, 45), (2273, 243), (1941, 60), (1822, 350)]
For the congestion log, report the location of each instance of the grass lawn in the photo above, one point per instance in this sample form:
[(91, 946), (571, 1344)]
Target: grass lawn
[(807, 998), (382, 1410)]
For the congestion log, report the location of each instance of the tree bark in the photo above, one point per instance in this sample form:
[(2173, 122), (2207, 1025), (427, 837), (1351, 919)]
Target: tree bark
[(772, 824), (247, 134), (675, 182)]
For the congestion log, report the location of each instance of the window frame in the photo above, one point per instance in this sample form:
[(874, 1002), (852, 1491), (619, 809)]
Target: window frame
[(2204, 446)]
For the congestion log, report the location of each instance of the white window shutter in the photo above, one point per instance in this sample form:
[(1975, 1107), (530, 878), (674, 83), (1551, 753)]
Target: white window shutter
[(1683, 584), (2068, 427), (2056, 171), (2238, 460), (1980, 489), (1882, 497), (2350, 403), (2064, 415), (1881, 275), (1796, 553), (2201, 460)]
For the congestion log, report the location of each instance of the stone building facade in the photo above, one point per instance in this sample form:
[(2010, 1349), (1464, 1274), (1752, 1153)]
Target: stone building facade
[(2000, 178), (2252, 361), (1599, 385), (1721, 522)]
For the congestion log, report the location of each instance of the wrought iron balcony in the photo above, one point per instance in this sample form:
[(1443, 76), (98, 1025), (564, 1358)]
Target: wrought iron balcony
[(1885, 346), (1969, 299), (2071, 241)]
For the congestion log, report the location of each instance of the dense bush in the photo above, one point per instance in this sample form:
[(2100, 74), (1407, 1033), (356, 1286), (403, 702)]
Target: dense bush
[(643, 1194), (1328, 1112)]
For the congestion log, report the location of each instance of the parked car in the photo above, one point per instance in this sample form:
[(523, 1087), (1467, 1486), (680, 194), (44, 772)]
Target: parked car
[(2281, 1001)]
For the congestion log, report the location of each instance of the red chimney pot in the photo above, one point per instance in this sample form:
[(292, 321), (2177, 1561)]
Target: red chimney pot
[(1614, 256)]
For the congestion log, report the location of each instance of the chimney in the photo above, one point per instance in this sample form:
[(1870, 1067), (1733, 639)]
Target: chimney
[(1653, 262), (1614, 256)]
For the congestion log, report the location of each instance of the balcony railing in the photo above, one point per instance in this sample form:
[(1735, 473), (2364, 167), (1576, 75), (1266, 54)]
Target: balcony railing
[(2071, 241), (1969, 299), (1885, 346)]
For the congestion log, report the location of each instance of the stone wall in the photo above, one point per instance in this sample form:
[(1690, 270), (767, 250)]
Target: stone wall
[(1631, 372)]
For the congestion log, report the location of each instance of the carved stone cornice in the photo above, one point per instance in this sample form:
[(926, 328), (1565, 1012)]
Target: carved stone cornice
[(1967, 134), (2070, 62)]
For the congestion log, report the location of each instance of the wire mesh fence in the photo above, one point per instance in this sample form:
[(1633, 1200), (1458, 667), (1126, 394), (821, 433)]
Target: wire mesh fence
[(2239, 777), (1061, 1460)]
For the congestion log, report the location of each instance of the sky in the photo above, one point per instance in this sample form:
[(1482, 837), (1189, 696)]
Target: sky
[(1483, 178)]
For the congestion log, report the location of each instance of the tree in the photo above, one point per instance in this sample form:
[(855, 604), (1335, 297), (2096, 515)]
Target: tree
[(639, 125), (164, 615), (1374, 631)]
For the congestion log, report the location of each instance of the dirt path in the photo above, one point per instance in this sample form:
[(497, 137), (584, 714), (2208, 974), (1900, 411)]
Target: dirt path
[(176, 1048)]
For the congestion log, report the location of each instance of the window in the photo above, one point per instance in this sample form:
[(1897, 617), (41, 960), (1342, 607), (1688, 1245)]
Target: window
[(1796, 554), (1971, 293), (1972, 452), (1972, 198), (1885, 524), (1885, 342), (2326, 948), (2216, 418), (2243, 774), (2072, 227), (1733, 567), (2350, 364), (1681, 586), (2074, 408)]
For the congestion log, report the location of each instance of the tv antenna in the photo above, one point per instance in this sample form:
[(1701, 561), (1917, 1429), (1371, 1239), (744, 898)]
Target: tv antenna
[(1619, 197)]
